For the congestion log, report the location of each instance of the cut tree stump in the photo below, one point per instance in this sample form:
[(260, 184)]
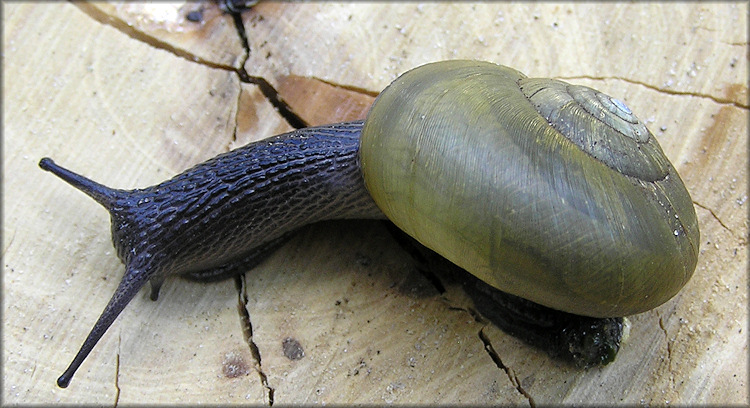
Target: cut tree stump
[(133, 94)]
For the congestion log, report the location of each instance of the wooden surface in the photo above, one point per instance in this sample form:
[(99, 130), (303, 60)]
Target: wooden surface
[(131, 95)]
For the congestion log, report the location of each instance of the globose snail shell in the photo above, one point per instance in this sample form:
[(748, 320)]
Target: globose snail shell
[(552, 192)]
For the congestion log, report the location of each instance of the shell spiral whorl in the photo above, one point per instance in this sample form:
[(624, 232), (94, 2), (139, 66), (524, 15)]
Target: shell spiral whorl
[(599, 125)]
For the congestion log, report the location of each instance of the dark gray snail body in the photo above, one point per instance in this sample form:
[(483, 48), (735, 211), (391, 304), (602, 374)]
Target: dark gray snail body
[(548, 191)]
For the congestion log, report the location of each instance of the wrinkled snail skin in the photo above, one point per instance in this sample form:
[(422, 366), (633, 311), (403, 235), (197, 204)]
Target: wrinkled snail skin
[(221, 217), (551, 192)]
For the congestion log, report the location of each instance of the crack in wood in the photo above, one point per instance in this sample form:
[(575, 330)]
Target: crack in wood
[(272, 95), (240, 27), (471, 312), (666, 338), (713, 214), (247, 331), (669, 349), (237, 107), (117, 371), (347, 87), (125, 28), (268, 91), (508, 371), (265, 87), (723, 101)]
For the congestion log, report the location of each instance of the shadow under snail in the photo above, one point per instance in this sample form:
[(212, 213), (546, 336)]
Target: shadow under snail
[(548, 191)]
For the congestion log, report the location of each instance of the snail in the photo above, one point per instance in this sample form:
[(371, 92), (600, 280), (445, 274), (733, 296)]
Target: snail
[(551, 192)]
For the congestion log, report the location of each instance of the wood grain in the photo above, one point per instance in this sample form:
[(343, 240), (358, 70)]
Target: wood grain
[(130, 95)]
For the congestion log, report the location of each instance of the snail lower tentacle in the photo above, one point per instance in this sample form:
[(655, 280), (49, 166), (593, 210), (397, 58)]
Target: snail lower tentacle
[(551, 192)]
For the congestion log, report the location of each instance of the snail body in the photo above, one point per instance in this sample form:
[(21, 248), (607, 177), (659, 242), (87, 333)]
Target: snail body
[(545, 190)]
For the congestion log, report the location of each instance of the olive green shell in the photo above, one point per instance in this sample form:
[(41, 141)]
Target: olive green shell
[(553, 192)]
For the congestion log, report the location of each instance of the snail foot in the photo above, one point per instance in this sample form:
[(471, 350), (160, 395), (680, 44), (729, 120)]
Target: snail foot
[(581, 340), (241, 264)]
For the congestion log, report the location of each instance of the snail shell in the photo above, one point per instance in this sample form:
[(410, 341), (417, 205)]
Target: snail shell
[(548, 191)]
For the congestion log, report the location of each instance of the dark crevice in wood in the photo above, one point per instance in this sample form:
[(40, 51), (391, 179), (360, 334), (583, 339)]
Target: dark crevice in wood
[(713, 214), (265, 87), (247, 331), (349, 87), (117, 372), (667, 91), (496, 359), (273, 96), (240, 27), (132, 32)]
